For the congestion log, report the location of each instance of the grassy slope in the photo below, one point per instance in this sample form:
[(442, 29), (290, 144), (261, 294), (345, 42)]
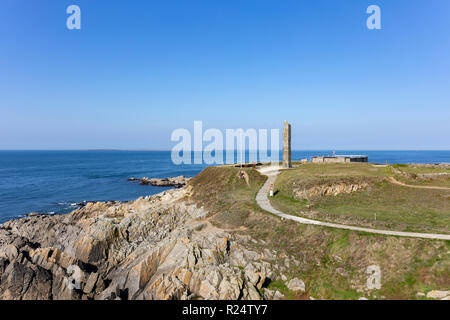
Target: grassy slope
[(412, 171), (420, 169), (442, 181), (331, 262), (395, 207)]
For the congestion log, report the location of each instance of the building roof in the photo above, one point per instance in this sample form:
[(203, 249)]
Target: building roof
[(342, 156)]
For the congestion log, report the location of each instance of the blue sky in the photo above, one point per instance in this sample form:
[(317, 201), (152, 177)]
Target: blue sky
[(137, 70)]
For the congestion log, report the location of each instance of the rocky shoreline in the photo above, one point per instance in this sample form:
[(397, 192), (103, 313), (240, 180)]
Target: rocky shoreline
[(165, 247), (176, 182), (157, 247)]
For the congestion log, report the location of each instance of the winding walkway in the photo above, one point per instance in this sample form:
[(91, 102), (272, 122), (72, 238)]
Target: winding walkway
[(263, 201)]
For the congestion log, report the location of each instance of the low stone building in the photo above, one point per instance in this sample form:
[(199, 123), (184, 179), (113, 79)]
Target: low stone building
[(340, 159)]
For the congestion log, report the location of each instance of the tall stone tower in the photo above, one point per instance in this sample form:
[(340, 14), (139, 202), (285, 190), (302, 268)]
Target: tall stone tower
[(287, 145)]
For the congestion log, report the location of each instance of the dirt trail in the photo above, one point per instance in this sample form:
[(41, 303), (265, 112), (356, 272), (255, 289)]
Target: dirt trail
[(395, 181), (263, 201)]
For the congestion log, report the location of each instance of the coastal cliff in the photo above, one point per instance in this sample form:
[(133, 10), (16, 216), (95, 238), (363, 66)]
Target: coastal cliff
[(210, 240), (158, 247)]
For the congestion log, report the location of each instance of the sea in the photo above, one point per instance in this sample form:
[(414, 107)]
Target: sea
[(56, 182)]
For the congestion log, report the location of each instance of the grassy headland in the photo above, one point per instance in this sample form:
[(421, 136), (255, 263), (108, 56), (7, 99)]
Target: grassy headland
[(331, 262), (378, 203)]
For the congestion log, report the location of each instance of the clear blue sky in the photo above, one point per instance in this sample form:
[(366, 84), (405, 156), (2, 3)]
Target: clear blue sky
[(139, 69)]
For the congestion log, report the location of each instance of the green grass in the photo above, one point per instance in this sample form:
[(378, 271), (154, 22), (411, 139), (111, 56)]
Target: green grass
[(341, 242), (332, 262), (421, 208), (420, 169), (412, 175), (339, 169), (228, 197), (440, 181), (282, 287), (347, 294), (382, 204)]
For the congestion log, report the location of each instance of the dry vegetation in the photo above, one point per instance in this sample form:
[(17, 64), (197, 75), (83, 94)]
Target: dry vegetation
[(423, 175), (331, 262), (381, 205)]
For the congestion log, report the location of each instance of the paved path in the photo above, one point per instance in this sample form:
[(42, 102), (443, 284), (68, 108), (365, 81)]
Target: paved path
[(263, 201)]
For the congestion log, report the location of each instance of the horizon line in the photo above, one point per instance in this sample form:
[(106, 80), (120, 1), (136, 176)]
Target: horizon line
[(169, 150)]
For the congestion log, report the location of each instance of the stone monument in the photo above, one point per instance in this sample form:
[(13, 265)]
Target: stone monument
[(287, 163)]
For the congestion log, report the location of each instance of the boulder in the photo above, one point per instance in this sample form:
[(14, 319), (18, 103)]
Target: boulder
[(90, 284), (436, 294), (9, 252), (296, 285)]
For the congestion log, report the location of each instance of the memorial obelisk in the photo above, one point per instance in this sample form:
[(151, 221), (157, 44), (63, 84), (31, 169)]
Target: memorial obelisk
[(287, 163)]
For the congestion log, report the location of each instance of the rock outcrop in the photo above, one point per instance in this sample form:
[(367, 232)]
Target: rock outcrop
[(296, 285), (436, 294), (329, 189), (158, 247), (176, 182)]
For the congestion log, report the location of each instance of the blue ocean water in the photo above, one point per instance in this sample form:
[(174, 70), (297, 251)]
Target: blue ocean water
[(54, 181)]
